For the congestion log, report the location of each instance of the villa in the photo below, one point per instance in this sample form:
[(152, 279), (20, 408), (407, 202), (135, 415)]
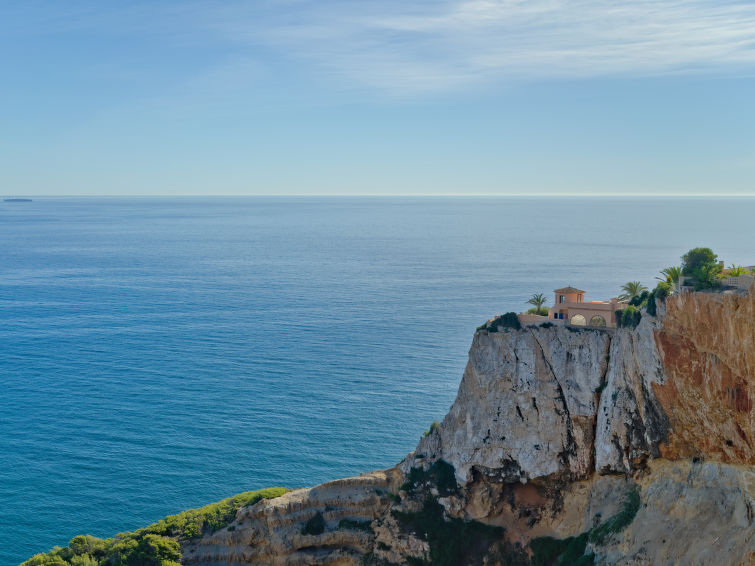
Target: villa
[(570, 306)]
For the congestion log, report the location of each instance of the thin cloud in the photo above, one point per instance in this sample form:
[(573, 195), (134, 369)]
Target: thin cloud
[(434, 46)]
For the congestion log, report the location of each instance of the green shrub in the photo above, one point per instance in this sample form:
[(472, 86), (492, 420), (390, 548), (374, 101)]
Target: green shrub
[(547, 325), (696, 258), (548, 551), (433, 428), (639, 300), (508, 320), (439, 475), (630, 317), (155, 545), (619, 521), (660, 292), (355, 525), (542, 311), (315, 525), (702, 265), (452, 541)]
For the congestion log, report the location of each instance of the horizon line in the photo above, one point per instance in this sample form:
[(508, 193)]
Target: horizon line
[(397, 195)]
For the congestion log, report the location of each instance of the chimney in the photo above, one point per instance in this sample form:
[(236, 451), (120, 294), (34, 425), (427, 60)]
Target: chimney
[(721, 265)]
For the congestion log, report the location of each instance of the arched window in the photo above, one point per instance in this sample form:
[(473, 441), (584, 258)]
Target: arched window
[(578, 320), (597, 320)]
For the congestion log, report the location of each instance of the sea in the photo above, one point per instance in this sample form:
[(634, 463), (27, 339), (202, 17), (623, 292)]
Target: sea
[(159, 354)]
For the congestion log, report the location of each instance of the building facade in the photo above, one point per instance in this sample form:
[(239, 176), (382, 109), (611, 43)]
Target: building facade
[(570, 306)]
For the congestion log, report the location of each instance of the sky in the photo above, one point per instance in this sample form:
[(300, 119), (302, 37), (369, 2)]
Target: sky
[(440, 97)]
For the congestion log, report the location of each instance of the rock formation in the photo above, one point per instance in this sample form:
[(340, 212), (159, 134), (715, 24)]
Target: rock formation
[(564, 445)]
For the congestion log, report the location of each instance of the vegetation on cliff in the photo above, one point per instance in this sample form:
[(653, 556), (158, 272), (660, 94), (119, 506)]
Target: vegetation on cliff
[(572, 551), (155, 545)]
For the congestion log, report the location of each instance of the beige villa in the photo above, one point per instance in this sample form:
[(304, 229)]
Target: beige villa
[(572, 309)]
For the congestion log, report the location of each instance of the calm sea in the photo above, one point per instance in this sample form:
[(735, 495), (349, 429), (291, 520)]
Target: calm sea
[(160, 354)]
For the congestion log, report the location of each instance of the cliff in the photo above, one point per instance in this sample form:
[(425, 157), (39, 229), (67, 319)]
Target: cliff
[(635, 446), (563, 446)]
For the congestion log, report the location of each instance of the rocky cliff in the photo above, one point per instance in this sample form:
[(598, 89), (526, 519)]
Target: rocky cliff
[(563, 446)]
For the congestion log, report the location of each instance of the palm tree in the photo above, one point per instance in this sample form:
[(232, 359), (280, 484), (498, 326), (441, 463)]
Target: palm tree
[(737, 270), (671, 274), (538, 300), (631, 290)]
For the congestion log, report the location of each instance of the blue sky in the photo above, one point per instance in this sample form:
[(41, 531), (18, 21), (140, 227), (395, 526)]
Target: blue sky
[(390, 97)]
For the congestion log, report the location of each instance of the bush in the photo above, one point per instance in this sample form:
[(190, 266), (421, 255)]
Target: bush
[(630, 317), (355, 525), (548, 551), (155, 545), (508, 320), (433, 428), (315, 525), (542, 311), (696, 258), (452, 541), (702, 265), (440, 474), (660, 292), (640, 299), (620, 521)]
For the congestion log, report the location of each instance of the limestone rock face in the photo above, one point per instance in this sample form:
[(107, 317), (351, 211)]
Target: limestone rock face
[(526, 405), (631, 423)]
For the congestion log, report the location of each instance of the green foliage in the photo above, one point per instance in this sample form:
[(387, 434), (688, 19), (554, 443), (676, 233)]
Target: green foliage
[(439, 475), (660, 292), (696, 258), (640, 300), (210, 518), (315, 525), (631, 289), (538, 300), (548, 551), (671, 274), (702, 265), (737, 270), (87, 544), (508, 320), (620, 521), (355, 525), (433, 427), (706, 277), (547, 325), (395, 497), (630, 317), (155, 545), (542, 311), (452, 541)]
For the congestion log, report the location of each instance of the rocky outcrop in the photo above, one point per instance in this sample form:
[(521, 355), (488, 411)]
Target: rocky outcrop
[(526, 406), (626, 446), (275, 531)]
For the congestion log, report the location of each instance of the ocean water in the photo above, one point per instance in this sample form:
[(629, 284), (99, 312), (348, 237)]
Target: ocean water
[(160, 354)]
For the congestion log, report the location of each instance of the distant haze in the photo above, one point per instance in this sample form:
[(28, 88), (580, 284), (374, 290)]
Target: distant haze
[(305, 97)]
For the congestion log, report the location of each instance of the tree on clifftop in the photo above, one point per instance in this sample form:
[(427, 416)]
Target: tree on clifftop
[(538, 300), (697, 258), (631, 289), (702, 265)]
